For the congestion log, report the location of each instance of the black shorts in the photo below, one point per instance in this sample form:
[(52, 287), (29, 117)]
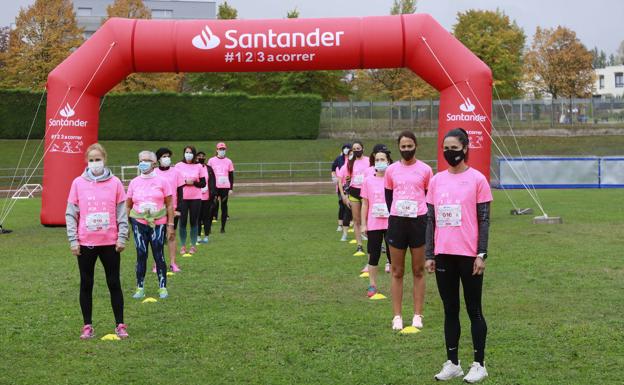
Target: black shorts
[(355, 193), (406, 232)]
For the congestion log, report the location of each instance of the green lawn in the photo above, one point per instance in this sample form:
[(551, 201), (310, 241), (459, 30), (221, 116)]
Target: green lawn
[(277, 300)]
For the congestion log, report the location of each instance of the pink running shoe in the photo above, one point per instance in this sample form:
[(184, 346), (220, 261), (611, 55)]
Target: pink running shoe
[(175, 268), (365, 269), (121, 332), (154, 269), (372, 290), (87, 332), (183, 250), (193, 250)]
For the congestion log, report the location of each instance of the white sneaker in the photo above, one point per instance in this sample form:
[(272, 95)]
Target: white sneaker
[(344, 238), (417, 321), (449, 371), (397, 323), (388, 267), (339, 228), (476, 373), (364, 237)]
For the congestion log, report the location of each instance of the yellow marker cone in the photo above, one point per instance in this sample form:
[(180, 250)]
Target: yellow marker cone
[(352, 242), (214, 221), (364, 274), (150, 300), (377, 296), (170, 273), (359, 254), (187, 255), (409, 330), (110, 337), (350, 231)]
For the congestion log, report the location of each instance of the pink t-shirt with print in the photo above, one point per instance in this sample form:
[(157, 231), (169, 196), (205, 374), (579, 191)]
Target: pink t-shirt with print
[(174, 179), (149, 194), (221, 168), (455, 198), (97, 202), (193, 171), (373, 191), (408, 184), (359, 171)]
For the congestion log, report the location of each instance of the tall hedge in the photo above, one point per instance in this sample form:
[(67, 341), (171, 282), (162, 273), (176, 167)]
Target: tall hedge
[(169, 116)]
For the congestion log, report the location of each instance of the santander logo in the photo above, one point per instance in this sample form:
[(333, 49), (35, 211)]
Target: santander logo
[(467, 114), (206, 39), (67, 111), (468, 106)]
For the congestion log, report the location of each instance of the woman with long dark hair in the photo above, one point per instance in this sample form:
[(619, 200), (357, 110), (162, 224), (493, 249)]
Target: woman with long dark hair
[(189, 197)]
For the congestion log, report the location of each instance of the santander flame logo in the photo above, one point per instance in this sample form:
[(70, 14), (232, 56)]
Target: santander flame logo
[(67, 111), (468, 106), (206, 40)]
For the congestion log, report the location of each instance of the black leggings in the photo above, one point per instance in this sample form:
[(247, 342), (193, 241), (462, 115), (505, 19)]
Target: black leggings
[(450, 269), (375, 238), (205, 216), (341, 209), (86, 263), (223, 194), (189, 208)]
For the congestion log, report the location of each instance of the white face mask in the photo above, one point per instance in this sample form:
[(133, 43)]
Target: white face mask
[(221, 153), (188, 156), (96, 167), (345, 151), (381, 166), (350, 156), (165, 161)]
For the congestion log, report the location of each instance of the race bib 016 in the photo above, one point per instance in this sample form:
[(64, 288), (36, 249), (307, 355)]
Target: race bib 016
[(358, 179), (97, 221), (448, 216), (223, 180), (380, 210), (407, 208)]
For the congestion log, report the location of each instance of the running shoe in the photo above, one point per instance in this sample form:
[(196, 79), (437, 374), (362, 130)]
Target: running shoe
[(206, 239), (193, 250), (344, 238), (121, 332), (417, 321), (163, 293), (339, 229), (359, 252), (364, 237), (365, 269), (174, 267), (139, 293), (87, 332), (372, 290), (476, 373), (388, 268), (449, 371), (183, 250), (397, 323), (199, 240)]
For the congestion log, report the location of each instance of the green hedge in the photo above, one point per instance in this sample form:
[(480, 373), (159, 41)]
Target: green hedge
[(169, 116)]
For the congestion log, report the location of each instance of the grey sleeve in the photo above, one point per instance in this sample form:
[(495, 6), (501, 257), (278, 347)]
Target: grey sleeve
[(122, 223), (483, 218), (72, 213), (430, 233)]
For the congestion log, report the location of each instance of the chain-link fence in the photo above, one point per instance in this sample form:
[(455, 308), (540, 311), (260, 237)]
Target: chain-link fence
[(379, 118)]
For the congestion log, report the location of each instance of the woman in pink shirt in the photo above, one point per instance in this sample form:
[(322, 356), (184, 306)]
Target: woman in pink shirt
[(189, 200), (458, 203), (375, 214), (208, 192), (176, 182), (223, 168), (355, 173), (405, 183), (150, 208), (343, 187), (97, 227)]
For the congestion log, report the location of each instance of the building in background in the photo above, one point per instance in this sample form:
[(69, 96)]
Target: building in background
[(609, 82), (91, 13)]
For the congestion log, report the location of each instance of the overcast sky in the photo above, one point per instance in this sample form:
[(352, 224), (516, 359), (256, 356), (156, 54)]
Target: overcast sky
[(596, 22)]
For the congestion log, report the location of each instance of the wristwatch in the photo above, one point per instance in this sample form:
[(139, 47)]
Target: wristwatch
[(482, 256)]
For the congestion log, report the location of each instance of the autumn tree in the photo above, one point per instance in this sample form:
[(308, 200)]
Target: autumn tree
[(559, 64), (135, 9), (4, 44), (45, 34), (498, 42)]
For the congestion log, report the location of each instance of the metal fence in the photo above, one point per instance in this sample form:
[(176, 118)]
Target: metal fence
[(419, 115)]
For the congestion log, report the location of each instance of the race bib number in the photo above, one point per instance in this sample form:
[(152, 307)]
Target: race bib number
[(97, 221), (380, 210), (407, 208), (148, 207), (358, 179), (223, 180), (448, 216)]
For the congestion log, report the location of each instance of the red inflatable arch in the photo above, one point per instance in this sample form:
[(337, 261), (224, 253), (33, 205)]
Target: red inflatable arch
[(123, 46)]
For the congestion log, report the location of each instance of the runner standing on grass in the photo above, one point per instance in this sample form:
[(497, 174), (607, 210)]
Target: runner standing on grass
[(343, 193), (208, 192), (189, 199), (457, 239), (335, 168), (223, 168), (97, 227), (406, 183)]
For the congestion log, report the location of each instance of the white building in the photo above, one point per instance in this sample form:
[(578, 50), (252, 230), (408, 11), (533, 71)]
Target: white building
[(610, 81), (91, 13)]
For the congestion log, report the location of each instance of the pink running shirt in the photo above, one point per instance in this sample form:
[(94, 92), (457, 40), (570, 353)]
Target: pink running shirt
[(193, 171), (97, 202), (359, 169), (149, 194), (173, 178), (455, 198), (373, 191), (221, 168), (408, 185)]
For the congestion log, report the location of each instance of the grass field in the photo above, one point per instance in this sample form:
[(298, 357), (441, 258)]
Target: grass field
[(277, 300)]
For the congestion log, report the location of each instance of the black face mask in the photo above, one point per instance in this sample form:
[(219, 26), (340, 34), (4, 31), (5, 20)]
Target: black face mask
[(454, 157), (408, 155), (358, 153), (201, 160)]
